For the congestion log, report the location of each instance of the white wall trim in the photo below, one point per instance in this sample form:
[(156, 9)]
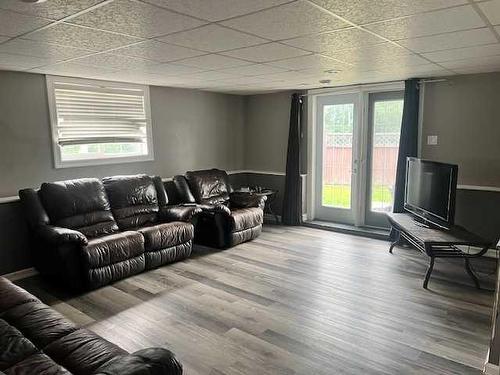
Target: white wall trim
[(478, 187), (274, 173), (21, 274), (15, 198), (491, 369)]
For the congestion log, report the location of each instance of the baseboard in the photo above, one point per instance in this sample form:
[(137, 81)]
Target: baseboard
[(21, 274), (491, 369), (269, 218)]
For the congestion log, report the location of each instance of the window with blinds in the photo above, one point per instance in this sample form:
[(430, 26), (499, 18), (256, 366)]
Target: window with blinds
[(96, 122)]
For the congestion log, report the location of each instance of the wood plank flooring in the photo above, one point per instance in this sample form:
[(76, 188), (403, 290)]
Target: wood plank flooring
[(296, 301)]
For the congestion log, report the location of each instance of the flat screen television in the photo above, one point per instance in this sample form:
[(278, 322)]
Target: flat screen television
[(430, 191)]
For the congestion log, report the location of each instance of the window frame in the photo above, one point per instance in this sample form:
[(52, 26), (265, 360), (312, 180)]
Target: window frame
[(56, 148)]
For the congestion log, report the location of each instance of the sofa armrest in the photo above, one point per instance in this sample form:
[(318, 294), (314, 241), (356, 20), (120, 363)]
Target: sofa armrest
[(153, 361), (221, 209), (245, 200), (179, 213), (59, 235)]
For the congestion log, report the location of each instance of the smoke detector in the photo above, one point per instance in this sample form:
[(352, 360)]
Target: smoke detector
[(325, 81)]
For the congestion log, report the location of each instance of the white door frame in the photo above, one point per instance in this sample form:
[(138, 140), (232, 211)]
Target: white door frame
[(363, 91)]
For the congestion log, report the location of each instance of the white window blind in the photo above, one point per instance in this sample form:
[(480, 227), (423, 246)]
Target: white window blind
[(112, 118)]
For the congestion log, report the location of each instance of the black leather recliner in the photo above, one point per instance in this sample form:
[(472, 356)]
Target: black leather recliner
[(227, 218), (34, 339), (87, 234)]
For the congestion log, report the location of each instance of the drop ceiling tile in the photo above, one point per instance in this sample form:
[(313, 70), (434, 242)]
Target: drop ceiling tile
[(53, 9), (428, 68), (336, 40), (3, 38), (464, 53), (145, 78), (365, 11), (492, 11), (287, 21), (374, 52), (454, 19), (14, 24), (388, 62), (19, 62), (170, 70), (134, 18), (158, 51), (471, 63), (216, 10), (112, 61), (50, 52), (456, 39), (209, 62), (266, 52), (211, 76), (213, 38), (310, 62), (242, 81), (82, 37), (76, 70), (254, 70)]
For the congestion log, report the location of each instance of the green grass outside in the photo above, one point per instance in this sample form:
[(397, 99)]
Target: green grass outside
[(340, 196)]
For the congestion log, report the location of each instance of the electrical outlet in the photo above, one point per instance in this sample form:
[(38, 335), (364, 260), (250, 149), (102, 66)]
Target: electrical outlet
[(432, 140)]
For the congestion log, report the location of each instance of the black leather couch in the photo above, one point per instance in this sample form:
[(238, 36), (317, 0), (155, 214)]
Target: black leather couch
[(227, 218), (34, 339), (88, 233)]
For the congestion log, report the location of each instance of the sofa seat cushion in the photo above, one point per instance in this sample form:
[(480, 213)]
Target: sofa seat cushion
[(162, 236), (83, 352), (37, 364), (11, 295), (245, 218), (107, 250), (14, 347), (39, 323)]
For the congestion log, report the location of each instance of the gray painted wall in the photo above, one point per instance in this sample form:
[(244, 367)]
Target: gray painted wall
[(191, 130), (464, 112), (266, 133)]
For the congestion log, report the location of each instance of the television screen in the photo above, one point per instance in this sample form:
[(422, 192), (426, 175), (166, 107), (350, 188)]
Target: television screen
[(430, 190)]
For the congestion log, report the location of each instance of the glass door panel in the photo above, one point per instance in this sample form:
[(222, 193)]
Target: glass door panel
[(336, 124), (384, 127)]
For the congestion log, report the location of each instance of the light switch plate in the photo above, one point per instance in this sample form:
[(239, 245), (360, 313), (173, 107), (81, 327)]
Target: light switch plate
[(432, 140)]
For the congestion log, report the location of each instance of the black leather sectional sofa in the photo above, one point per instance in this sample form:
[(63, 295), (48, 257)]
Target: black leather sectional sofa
[(88, 232), (227, 218), (34, 339)]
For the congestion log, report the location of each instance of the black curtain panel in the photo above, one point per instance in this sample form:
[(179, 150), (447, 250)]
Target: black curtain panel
[(292, 201), (408, 143)]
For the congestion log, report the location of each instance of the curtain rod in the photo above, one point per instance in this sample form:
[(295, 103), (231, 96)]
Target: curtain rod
[(420, 81)]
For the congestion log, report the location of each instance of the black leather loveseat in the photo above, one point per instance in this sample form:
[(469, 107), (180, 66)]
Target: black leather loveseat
[(34, 339), (88, 233), (227, 218)]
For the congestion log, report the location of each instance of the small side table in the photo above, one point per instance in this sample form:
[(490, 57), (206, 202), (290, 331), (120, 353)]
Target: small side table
[(271, 197)]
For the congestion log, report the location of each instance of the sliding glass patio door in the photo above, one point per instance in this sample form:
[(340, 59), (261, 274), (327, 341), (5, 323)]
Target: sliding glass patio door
[(356, 150)]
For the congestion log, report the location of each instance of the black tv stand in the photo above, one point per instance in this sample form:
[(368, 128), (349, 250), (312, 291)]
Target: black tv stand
[(436, 242)]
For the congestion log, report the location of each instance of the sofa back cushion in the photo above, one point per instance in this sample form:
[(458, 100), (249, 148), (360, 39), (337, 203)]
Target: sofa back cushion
[(209, 186), (80, 204), (133, 200), (178, 190)]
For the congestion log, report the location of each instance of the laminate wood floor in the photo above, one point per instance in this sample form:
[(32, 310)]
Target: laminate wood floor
[(296, 300)]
